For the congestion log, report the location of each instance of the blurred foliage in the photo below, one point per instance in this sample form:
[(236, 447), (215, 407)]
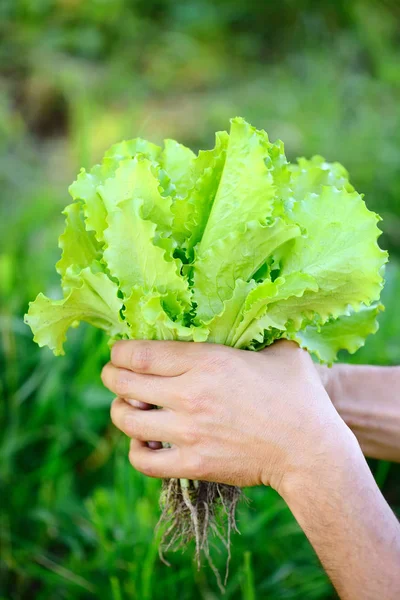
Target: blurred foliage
[(76, 76)]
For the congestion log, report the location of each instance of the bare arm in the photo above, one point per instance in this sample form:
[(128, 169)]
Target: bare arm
[(368, 400), (348, 522)]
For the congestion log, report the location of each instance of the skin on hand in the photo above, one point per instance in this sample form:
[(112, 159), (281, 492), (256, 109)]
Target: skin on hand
[(231, 416)]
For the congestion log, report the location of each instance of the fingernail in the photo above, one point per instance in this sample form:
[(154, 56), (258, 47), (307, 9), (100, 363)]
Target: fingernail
[(154, 445), (138, 404)]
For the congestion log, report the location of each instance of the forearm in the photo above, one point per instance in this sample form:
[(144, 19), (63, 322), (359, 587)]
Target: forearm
[(368, 400), (351, 527)]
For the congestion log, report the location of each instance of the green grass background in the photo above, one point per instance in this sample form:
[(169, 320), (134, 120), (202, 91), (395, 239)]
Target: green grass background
[(75, 76)]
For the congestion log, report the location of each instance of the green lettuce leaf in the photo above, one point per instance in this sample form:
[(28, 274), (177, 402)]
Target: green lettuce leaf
[(147, 318), (258, 312), (85, 189), (79, 247), (132, 257), (93, 298), (177, 161), (215, 273), (134, 179), (310, 176), (347, 332), (130, 148), (339, 249), (223, 325), (246, 191), (191, 211)]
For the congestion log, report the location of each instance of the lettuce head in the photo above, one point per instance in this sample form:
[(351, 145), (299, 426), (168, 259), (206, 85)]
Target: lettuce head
[(233, 245)]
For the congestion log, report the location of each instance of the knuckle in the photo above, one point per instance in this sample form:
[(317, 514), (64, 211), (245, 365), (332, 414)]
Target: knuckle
[(141, 357), (198, 467), (294, 356), (218, 360), (181, 395), (117, 349), (285, 344), (291, 348), (196, 400), (190, 434), (121, 385), (301, 359)]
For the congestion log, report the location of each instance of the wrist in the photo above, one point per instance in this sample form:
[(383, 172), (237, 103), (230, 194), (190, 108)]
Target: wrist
[(336, 454)]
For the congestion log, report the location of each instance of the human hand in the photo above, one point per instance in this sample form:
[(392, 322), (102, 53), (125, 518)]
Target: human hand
[(231, 416)]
